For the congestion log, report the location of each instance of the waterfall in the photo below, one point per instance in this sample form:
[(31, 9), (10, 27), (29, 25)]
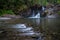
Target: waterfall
[(43, 8), (38, 13), (35, 16)]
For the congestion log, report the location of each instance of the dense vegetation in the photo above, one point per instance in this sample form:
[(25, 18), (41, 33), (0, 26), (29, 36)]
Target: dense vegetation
[(13, 6)]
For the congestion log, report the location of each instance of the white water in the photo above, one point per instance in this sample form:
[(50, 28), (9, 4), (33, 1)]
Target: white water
[(43, 8), (36, 16), (19, 26)]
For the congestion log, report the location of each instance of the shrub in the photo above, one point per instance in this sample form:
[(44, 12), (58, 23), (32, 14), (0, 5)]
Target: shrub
[(6, 12)]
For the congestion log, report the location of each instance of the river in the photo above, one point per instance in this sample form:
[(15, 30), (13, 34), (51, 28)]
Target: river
[(30, 29)]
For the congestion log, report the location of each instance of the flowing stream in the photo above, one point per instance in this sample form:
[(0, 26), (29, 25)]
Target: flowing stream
[(30, 29)]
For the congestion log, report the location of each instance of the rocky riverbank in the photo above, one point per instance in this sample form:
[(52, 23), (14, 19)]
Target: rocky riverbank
[(8, 16)]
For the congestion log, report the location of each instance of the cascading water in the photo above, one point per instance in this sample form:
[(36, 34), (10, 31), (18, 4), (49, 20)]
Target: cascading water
[(35, 16), (43, 8), (38, 13)]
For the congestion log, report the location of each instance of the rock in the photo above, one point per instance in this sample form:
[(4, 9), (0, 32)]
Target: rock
[(11, 16), (4, 18)]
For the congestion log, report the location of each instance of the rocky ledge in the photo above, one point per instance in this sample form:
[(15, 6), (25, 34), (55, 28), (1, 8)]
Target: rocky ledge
[(8, 16)]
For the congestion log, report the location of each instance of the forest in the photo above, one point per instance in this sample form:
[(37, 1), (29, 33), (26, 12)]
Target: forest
[(16, 6)]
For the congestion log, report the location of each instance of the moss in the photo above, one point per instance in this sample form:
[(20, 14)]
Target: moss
[(59, 12)]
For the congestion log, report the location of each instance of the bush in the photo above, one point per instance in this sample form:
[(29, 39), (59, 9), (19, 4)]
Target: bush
[(6, 12)]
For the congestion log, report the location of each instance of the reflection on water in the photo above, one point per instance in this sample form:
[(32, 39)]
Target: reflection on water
[(36, 29)]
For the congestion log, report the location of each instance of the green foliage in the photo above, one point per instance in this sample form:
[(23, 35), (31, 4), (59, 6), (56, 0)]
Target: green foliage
[(18, 5), (59, 12), (58, 1), (54, 1), (6, 12)]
